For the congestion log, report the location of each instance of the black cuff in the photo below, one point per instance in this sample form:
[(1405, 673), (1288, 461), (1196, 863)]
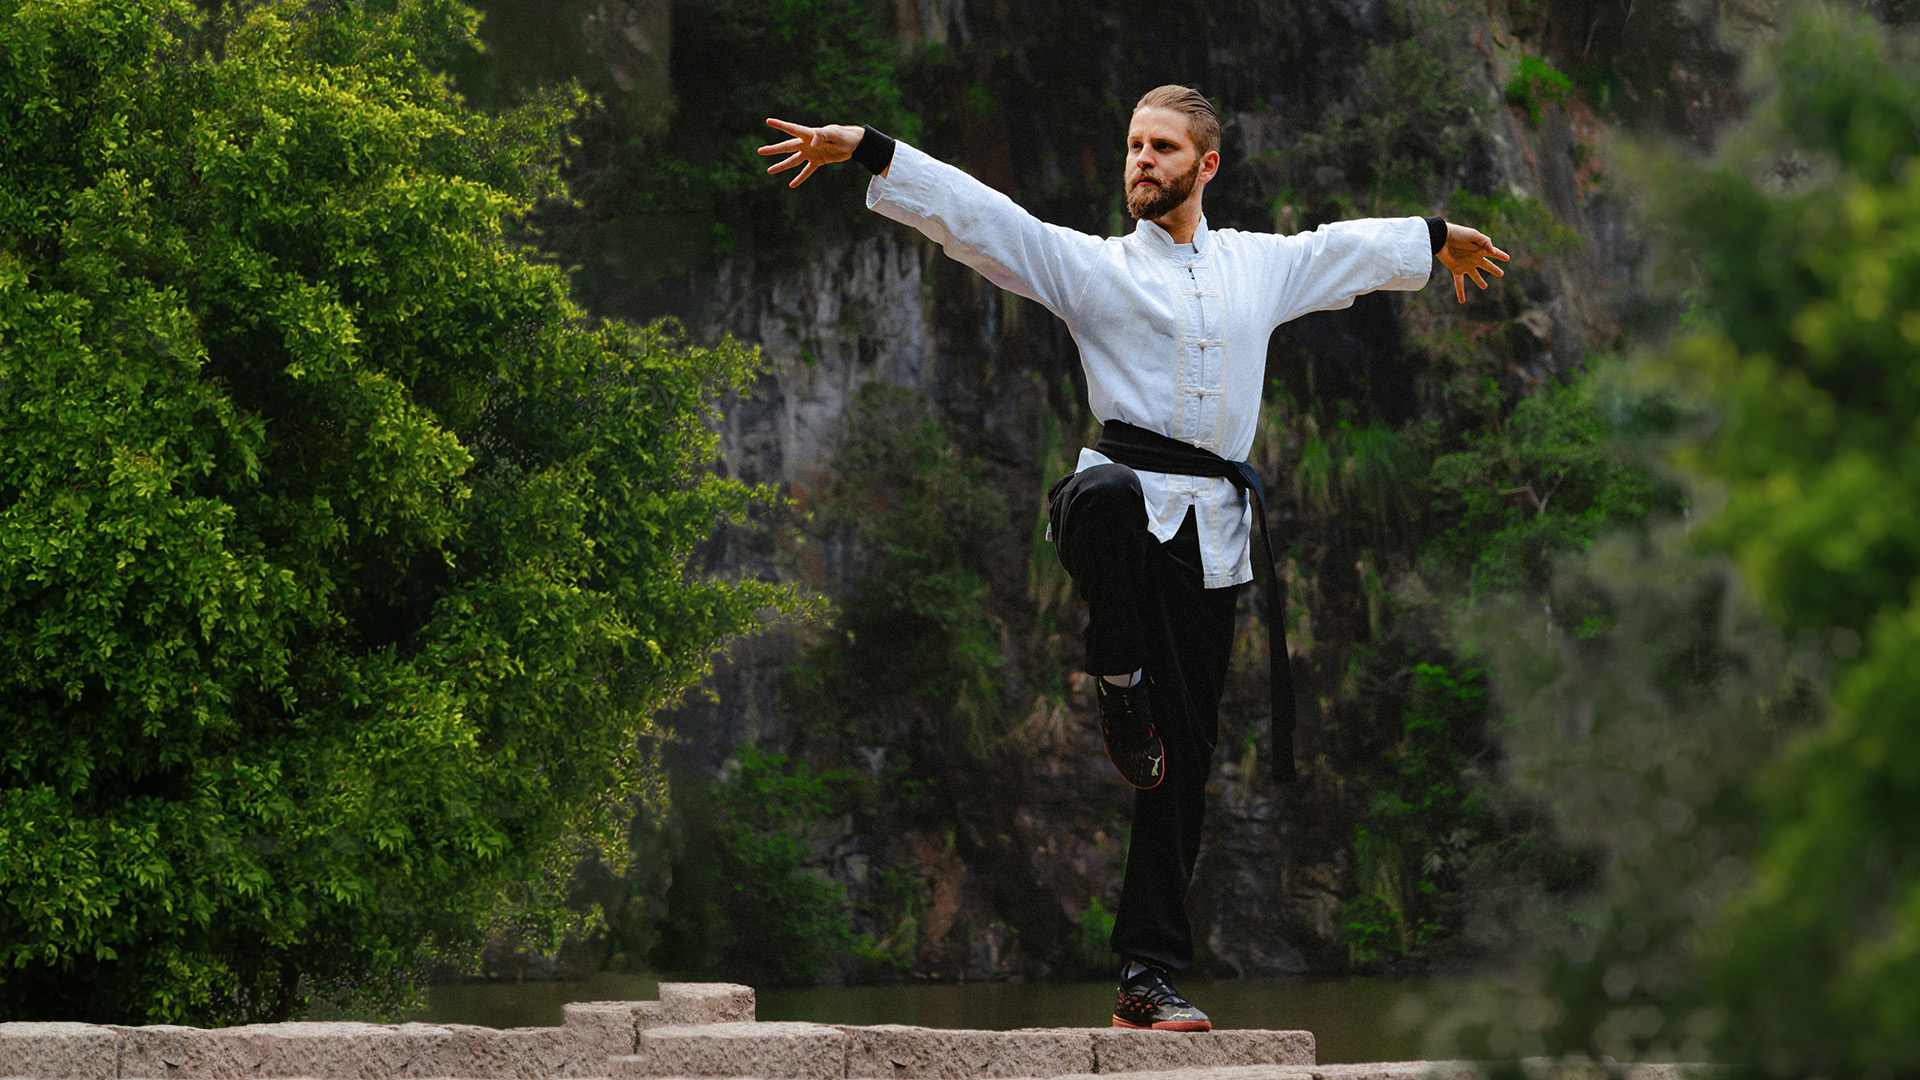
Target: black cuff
[(1436, 227), (876, 152)]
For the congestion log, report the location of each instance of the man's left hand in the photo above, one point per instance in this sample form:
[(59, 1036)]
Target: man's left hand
[(1467, 253)]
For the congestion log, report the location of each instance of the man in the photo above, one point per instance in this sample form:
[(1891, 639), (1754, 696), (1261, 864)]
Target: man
[(1172, 322)]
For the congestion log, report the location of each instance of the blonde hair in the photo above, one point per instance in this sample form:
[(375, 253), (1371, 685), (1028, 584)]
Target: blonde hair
[(1202, 124)]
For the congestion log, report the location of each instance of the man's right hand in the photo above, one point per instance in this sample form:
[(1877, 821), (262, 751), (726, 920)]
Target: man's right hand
[(811, 147)]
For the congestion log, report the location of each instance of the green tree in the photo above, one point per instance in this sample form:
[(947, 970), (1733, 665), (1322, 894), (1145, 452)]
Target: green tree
[(1805, 237), (342, 559), (1543, 481), (1762, 878)]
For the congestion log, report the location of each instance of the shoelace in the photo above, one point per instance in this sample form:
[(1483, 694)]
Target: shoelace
[(1156, 990)]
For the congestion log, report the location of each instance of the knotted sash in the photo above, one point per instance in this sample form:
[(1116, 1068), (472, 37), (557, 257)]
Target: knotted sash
[(1150, 451)]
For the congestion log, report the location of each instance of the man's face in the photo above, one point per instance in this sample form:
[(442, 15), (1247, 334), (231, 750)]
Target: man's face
[(1163, 165)]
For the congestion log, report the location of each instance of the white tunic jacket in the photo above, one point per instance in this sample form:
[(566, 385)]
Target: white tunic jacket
[(1173, 342)]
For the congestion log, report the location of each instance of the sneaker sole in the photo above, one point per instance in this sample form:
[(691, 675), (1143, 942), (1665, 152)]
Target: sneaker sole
[(1166, 1025)]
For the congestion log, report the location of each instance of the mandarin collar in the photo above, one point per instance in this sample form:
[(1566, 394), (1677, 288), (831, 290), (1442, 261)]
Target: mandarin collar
[(1162, 240)]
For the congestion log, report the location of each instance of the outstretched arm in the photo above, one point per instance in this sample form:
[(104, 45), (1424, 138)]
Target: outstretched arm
[(811, 147), (974, 223), (1467, 253)]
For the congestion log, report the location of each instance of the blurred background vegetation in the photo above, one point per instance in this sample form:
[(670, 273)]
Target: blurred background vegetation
[(1602, 586)]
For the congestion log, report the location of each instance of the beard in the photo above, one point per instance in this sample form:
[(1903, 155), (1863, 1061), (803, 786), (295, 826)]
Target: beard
[(1149, 202)]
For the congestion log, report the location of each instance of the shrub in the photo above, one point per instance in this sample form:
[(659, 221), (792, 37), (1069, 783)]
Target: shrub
[(341, 558)]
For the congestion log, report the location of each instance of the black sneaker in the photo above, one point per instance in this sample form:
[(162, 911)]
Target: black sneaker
[(1147, 1000), (1126, 723)]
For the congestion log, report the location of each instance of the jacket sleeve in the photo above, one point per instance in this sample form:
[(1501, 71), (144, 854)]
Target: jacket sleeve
[(1325, 269), (985, 230)]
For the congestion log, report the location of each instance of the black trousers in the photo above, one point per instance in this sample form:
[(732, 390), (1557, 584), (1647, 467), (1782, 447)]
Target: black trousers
[(1149, 608)]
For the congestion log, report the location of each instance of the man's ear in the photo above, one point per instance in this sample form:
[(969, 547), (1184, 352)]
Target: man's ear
[(1209, 165)]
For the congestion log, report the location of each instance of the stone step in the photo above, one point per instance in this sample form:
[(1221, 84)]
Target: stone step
[(592, 1034), (698, 1030), (797, 1051), (1533, 1069), (772, 1051)]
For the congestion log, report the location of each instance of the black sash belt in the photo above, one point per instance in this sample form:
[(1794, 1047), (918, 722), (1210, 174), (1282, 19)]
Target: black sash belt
[(1150, 451)]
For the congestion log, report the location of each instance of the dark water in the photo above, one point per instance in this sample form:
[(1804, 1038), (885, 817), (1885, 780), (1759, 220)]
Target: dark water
[(1352, 1019)]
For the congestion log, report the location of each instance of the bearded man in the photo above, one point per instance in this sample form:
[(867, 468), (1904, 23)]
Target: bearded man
[(1156, 521)]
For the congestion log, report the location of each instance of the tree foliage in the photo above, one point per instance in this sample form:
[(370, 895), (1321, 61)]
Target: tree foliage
[(1762, 881), (1442, 835), (1537, 484), (341, 558), (1806, 240), (669, 191)]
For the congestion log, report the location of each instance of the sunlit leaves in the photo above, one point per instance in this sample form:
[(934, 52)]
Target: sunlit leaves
[(342, 558)]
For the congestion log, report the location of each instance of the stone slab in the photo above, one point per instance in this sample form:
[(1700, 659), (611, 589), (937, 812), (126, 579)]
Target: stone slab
[(483, 1053), (704, 1003), (59, 1051), (915, 1052), (608, 1028), (348, 1051), (1226, 1072), (1400, 1070), (771, 1051), (1117, 1050), (338, 1051)]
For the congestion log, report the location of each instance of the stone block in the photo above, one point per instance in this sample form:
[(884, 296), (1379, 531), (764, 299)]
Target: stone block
[(1401, 1070), (1229, 1072), (330, 1051), (775, 1051), (59, 1051), (528, 1053), (1122, 1050), (705, 1003), (893, 1050), (606, 1028)]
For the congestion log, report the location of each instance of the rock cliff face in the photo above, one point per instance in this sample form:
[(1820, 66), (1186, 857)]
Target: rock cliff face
[(1032, 98)]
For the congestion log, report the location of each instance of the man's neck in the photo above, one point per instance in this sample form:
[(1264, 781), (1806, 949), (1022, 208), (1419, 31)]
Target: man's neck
[(1182, 221)]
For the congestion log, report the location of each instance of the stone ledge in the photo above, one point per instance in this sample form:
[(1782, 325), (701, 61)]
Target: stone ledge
[(783, 1051), (773, 1051), (591, 1034), (59, 1051), (1119, 1050), (705, 1003), (337, 1051), (892, 1050), (704, 1030)]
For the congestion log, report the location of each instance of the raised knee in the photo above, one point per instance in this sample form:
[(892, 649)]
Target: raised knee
[(1109, 487), (1105, 499)]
